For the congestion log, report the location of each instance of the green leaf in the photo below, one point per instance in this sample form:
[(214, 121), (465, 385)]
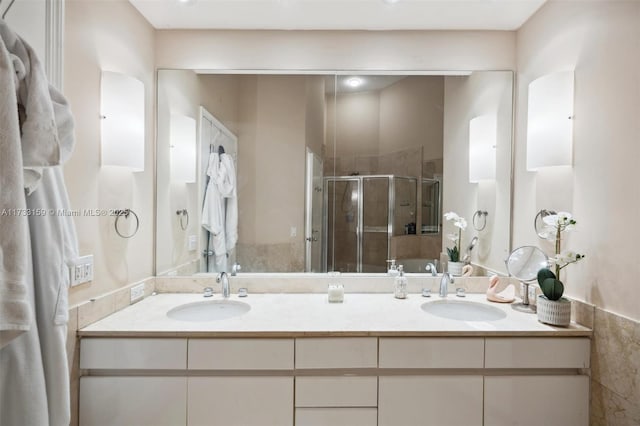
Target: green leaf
[(454, 254), (552, 288), (543, 274)]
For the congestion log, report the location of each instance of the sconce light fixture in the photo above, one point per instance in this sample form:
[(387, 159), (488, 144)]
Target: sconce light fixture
[(482, 148), (550, 121), (183, 148), (122, 127)]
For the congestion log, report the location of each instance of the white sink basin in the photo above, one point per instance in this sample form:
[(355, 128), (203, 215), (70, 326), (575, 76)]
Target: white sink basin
[(463, 310), (208, 310)]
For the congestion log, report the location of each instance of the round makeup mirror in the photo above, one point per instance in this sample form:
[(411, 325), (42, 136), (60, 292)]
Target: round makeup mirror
[(524, 263)]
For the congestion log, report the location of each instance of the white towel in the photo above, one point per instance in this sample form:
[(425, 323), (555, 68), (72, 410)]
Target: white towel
[(227, 184), (14, 304), (40, 144)]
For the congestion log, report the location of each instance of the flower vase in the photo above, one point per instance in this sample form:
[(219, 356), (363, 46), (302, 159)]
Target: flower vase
[(554, 312), (455, 268)]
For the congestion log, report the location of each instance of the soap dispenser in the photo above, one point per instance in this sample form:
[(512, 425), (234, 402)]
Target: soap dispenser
[(392, 271), (400, 284)]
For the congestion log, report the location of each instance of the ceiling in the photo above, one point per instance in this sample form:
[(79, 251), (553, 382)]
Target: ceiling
[(338, 14)]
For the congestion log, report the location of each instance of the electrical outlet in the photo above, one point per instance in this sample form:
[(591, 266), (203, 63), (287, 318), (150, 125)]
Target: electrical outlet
[(82, 270), (192, 243), (293, 231), (137, 292)]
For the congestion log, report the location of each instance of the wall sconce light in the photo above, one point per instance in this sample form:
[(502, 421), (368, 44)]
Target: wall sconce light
[(122, 114), (183, 148), (550, 121), (483, 132)]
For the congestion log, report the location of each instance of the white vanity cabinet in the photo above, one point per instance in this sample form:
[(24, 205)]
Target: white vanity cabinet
[(231, 399), (542, 398), (126, 397), (342, 389), (240, 401), (436, 393), (350, 381)]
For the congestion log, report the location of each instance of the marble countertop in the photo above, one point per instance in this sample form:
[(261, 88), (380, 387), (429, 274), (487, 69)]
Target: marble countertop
[(293, 315)]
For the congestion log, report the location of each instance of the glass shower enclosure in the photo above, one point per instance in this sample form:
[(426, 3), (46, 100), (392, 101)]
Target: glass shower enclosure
[(361, 215)]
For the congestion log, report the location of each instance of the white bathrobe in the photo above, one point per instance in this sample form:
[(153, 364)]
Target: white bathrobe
[(213, 211), (34, 378), (227, 184)]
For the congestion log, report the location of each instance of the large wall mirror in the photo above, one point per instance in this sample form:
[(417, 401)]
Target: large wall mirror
[(330, 171)]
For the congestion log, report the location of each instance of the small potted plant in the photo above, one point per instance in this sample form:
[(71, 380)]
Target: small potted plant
[(454, 265), (552, 308)]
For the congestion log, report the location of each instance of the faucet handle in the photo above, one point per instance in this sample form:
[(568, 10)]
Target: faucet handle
[(235, 269), (208, 292)]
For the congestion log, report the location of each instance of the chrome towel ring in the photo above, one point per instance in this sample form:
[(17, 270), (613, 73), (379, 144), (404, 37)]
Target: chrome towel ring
[(480, 220), (183, 214), (126, 212)]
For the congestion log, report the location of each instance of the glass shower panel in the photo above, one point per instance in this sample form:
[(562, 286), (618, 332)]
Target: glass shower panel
[(431, 212), (375, 217), (405, 192), (342, 224)]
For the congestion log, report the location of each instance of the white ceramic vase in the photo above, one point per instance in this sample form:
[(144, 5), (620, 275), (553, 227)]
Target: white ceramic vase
[(455, 268), (554, 312)]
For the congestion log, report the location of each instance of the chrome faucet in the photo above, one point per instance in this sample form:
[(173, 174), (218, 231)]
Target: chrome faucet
[(446, 279), (431, 267), (235, 268), (224, 279)]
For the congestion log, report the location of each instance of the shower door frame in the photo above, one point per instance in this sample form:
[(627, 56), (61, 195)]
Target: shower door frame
[(360, 213)]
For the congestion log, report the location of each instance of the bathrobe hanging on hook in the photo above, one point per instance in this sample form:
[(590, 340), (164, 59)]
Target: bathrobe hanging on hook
[(34, 379)]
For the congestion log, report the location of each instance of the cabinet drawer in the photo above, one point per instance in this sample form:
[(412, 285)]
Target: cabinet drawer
[(343, 391), (123, 353), (430, 352), (240, 354), (336, 416), (341, 352), (537, 352)]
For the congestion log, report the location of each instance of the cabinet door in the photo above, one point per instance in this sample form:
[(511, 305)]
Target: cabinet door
[(241, 401), (140, 401), (430, 400), (536, 400)]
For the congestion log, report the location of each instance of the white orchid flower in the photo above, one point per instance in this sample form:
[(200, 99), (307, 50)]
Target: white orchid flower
[(461, 223), (451, 216), (561, 219), (452, 237)]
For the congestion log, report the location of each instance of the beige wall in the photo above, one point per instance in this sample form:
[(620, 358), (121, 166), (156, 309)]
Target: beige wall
[(600, 41), (113, 36), (315, 114), (336, 50), (466, 98), (411, 115)]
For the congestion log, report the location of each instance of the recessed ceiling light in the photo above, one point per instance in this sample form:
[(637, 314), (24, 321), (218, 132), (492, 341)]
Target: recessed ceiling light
[(354, 82), (187, 2), (391, 1)]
